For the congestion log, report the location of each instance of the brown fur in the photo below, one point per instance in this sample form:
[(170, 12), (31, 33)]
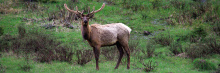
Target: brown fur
[(108, 35)]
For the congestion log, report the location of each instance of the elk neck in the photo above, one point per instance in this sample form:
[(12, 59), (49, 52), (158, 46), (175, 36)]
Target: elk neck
[(86, 29)]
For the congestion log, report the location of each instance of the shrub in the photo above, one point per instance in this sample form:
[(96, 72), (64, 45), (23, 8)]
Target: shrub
[(190, 11), (2, 68), (146, 50), (178, 4), (25, 67), (133, 5), (197, 34), (176, 48), (1, 31), (133, 43), (216, 29), (213, 44), (156, 3), (110, 53), (43, 1), (84, 56), (197, 50), (150, 48), (204, 64), (149, 66), (218, 70), (6, 42), (163, 39), (43, 46)]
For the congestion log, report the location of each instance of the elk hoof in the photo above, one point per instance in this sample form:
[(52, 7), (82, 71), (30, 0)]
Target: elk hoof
[(128, 67)]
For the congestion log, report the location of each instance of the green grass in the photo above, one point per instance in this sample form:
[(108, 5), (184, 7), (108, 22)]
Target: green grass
[(167, 64)]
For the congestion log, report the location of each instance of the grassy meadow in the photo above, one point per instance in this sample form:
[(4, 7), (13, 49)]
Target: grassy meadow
[(41, 36)]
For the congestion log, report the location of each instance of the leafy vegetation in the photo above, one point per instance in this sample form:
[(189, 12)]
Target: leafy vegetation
[(42, 36), (204, 64)]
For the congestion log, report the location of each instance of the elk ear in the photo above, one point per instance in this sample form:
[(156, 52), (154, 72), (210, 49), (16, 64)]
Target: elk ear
[(90, 15), (78, 15)]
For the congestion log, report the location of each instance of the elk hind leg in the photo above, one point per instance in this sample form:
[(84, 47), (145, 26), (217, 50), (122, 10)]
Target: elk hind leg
[(127, 50), (121, 54)]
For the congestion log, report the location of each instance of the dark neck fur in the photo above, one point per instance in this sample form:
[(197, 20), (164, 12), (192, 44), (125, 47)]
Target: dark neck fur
[(85, 31)]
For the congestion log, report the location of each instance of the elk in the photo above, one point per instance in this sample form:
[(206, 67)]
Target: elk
[(104, 35)]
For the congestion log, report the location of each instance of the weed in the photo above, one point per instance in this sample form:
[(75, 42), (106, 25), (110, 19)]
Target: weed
[(110, 53), (178, 4), (2, 68), (204, 64), (42, 44), (176, 48), (197, 34), (156, 4), (7, 7), (150, 48), (84, 56), (163, 39), (43, 1), (213, 44), (216, 29), (133, 43), (132, 4), (1, 31), (149, 66), (197, 50), (6, 42), (26, 67)]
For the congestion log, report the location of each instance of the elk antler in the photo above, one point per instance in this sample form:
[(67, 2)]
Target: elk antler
[(103, 5), (76, 12)]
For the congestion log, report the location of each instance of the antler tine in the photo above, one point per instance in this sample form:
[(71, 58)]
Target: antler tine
[(76, 12), (76, 8), (67, 8), (82, 12), (103, 5), (88, 9), (93, 9)]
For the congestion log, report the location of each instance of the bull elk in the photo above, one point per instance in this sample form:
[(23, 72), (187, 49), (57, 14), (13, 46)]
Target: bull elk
[(104, 35)]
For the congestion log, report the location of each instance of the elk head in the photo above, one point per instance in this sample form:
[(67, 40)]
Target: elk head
[(85, 17)]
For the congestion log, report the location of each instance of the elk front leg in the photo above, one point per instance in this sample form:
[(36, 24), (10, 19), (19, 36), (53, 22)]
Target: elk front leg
[(96, 51)]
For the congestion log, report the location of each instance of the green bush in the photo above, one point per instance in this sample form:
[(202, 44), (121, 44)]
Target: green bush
[(163, 39), (1, 31), (212, 43), (148, 66), (43, 1), (150, 48), (204, 64), (133, 43), (110, 53), (176, 48), (6, 42), (2, 68), (216, 28), (197, 34), (36, 42), (197, 50)]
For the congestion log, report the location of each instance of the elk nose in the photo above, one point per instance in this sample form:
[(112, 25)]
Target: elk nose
[(85, 21)]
